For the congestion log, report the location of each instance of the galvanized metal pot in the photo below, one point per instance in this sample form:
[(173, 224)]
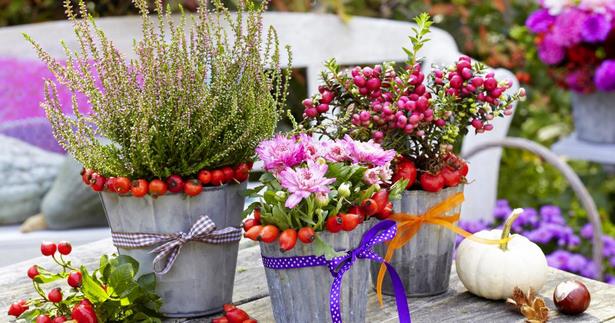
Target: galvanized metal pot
[(424, 263), (301, 295), (202, 277), (594, 116)]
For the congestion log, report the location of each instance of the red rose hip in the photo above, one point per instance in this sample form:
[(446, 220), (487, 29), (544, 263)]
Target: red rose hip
[(55, 295), (74, 279), (48, 248), (33, 271), (65, 248)]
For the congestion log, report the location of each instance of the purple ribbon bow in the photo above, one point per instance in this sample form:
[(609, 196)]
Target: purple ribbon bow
[(338, 266), (203, 230)]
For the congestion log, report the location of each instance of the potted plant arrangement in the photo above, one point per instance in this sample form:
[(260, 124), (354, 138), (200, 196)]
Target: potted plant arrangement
[(316, 202), (423, 117), (576, 39), (180, 123)]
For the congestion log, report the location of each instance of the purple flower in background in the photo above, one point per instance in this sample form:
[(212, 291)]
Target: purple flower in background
[(529, 217), (539, 21), (609, 279), (596, 28), (552, 214), (303, 181), (368, 153), (576, 262), (605, 76), (568, 27), (550, 52), (609, 246), (590, 270), (576, 80), (502, 210), (612, 262), (587, 232), (280, 153), (559, 259)]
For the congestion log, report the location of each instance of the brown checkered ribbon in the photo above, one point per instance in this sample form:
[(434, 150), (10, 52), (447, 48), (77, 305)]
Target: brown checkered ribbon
[(203, 230)]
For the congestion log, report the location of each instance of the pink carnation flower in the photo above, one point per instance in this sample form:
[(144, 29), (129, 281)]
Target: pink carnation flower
[(280, 153), (303, 181), (334, 151), (378, 175), (368, 153)]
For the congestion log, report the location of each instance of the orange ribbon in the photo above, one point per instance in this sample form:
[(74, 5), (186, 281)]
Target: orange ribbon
[(408, 225)]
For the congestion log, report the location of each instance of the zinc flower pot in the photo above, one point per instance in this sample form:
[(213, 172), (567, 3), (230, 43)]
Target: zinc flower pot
[(594, 116), (424, 263), (201, 279), (301, 295)]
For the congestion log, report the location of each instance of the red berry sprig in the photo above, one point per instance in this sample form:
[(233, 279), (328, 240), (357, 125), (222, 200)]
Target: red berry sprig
[(172, 184), (378, 206), (233, 314)]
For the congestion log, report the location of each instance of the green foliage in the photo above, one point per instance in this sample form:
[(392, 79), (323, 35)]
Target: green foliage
[(114, 290), (196, 101)]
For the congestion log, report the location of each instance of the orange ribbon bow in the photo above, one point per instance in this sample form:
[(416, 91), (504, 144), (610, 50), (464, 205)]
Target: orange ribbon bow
[(408, 225)]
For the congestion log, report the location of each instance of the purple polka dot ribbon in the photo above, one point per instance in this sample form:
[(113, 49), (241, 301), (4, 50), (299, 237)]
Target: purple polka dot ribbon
[(338, 266)]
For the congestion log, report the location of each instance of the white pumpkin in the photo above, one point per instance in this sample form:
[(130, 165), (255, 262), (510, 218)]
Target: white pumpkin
[(492, 271)]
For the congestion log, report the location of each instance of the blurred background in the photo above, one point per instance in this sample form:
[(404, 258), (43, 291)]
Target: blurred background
[(492, 31)]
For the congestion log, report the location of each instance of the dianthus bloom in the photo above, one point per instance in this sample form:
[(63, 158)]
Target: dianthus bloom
[(280, 153), (568, 27), (539, 21), (368, 153), (605, 76), (303, 181), (550, 52), (596, 28), (334, 151)]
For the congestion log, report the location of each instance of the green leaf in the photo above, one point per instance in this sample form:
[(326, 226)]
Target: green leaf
[(46, 278), (397, 189), (253, 192), (92, 289), (121, 279), (323, 248), (123, 259), (147, 282), (250, 209)]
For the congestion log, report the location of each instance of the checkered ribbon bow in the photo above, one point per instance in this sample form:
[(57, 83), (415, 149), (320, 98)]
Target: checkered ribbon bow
[(203, 230)]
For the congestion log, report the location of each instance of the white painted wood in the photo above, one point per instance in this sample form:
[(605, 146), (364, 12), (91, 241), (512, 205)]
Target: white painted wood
[(313, 38)]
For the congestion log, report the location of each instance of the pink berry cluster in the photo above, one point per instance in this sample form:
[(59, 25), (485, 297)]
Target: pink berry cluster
[(483, 94)]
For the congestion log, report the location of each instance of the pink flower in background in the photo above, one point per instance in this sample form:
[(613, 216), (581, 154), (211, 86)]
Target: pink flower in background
[(368, 153), (600, 6), (22, 90), (280, 153), (310, 145), (550, 52), (568, 27), (596, 28), (303, 181), (605, 76), (540, 21)]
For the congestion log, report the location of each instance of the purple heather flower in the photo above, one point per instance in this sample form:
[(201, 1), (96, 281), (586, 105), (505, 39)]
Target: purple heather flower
[(368, 153), (280, 153), (539, 21), (303, 181), (596, 28), (605, 76), (587, 232), (568, 27), (550, 52)]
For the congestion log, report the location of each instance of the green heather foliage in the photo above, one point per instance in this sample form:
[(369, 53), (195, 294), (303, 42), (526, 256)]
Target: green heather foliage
[(195, 96)]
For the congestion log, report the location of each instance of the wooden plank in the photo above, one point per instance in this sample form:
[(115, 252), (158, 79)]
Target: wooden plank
[(456, 305)]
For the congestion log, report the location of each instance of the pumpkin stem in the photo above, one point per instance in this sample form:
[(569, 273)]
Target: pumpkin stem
[(508, 225)]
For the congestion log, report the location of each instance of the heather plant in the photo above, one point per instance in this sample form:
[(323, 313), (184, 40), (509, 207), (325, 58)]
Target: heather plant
[(187, 100)]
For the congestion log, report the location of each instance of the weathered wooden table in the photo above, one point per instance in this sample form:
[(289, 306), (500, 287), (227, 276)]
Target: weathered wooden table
[(456, 305)]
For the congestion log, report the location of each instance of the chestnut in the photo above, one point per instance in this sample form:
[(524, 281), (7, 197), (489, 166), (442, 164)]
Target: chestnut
[(571, 297)]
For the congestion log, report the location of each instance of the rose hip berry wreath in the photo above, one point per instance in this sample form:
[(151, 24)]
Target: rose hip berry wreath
[(421, 116)]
